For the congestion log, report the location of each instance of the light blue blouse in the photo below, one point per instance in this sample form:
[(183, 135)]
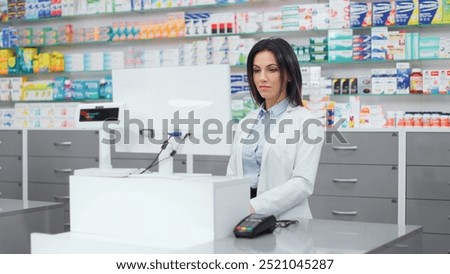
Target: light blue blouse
[(253, 147)]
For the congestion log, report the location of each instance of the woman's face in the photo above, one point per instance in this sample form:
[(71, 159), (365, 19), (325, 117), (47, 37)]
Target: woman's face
[(267, 78)]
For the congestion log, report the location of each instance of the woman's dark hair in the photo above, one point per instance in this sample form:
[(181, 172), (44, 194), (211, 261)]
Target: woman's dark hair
[(286, 61)]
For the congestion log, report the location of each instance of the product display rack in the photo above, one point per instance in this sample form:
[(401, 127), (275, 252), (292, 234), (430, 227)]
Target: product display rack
[(397, 200), (214, 6), (258, 6)]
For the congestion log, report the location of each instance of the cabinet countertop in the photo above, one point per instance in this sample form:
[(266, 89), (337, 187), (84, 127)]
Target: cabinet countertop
[(309, 236), (422, 130), (13, 207)]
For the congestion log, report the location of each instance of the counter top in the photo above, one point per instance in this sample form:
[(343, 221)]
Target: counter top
[(13, 207), (309, 236)]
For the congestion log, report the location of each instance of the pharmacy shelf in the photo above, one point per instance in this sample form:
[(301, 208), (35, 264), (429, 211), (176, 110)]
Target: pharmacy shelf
[(374, 61), (62, 73), (239, 67), (283, 33), (388, 95), (213, 6), (12, 103)]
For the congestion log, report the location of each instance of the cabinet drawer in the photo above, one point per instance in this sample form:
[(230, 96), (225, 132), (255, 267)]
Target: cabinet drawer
[(357, 180), (63, 143), (11, 168), (428, 149), (434, 216), (362, 148), (411, 245), (215, 165), (436, 243), (377, 210), (218, 168), (428, 182), (49, 193), (10, 190), (11, 143), (56, 169)]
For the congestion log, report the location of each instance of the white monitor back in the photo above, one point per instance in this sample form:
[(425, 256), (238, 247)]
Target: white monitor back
[(156, 94)]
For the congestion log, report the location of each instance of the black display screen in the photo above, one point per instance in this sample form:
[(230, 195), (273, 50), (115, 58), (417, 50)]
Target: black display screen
[(99, 114)]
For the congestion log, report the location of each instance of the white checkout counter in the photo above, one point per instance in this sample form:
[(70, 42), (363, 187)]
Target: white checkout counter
[(20, 218), (310, 236), (151, 214)]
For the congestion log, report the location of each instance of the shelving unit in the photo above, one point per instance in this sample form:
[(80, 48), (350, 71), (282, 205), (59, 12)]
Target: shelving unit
[(403, 102), (45, 187)]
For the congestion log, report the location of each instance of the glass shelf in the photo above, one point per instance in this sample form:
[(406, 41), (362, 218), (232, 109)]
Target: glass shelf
[(303, 63), (243, 66), (406, 26), (372, 61), (131, 12), (386, 95), (56, 73), (252, 34), (57, 101)]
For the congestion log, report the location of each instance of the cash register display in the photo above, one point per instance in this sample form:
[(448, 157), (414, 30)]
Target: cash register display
[(99, 114)]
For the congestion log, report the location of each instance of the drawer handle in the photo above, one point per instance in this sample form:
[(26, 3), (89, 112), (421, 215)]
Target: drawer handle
[(67, 225), (401, 245), (1, 168), (62, 144), (346, 213), (62, 198), (1, 142), (336, 180), (0, 194), (63, 170), (345, 148)]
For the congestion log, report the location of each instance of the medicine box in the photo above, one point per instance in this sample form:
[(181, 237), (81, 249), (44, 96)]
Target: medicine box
[(444, 84), (430, 12), (431, 81), (383, 13), (407, 12), (360, 14)]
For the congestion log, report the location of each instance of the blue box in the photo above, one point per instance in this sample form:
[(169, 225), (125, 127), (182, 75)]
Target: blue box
[(407, 12), (383, 13)]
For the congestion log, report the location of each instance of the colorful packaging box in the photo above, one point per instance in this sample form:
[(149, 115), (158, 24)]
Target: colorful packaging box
[(444, 85), (407, 12), (360, 14), (396, 45), (403, 77), (379, 40), (431, 81), (290, 17), (362, 55), (321, 16), (340, 14), (365, 84), (430, 12), (446, 12), (383, 13), (305, 16)]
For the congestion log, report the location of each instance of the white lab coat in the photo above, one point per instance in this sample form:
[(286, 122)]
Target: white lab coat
[(288, 170)]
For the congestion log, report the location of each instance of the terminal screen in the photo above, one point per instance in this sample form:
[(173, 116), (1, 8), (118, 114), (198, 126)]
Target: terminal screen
[(99, 114)]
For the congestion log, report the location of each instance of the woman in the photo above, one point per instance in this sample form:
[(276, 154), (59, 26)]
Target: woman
[(277, 145)]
